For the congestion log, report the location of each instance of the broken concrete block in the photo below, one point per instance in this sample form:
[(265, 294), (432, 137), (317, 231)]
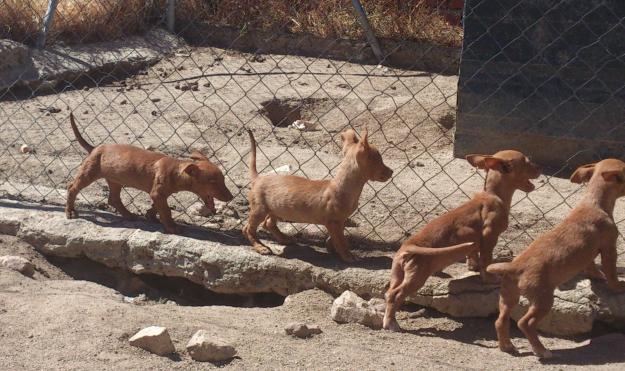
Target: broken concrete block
[(17, 263), (351, 308), (204, 348), (154, 339)]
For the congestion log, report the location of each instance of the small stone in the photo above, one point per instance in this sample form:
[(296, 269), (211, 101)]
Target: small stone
[(301, 330), (154, 339), (85, 112), (204, 348), (25, 148), (155, 100), (123, 102), (206, 84), (17, 263), (350, 308)]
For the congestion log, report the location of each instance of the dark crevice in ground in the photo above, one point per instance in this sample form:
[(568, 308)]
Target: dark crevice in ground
[(157, 288)]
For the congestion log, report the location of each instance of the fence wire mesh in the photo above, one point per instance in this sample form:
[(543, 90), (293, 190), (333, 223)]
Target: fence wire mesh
[(295, 73)]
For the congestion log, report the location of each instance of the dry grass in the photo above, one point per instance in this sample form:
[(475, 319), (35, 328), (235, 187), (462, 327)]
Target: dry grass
[(97, 20), (77, 21)]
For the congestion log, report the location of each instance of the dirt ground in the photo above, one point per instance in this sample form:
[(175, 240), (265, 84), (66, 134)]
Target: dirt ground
[(410, 116), (54, 321)]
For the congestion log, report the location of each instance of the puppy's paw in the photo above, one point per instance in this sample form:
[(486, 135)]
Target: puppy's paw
[(473, 266), (151, 215), (392, 325), (71, 214), (261, 249), (489, 278), (508, 347), (543, 353)]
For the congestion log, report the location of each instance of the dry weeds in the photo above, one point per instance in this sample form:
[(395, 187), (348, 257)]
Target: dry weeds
[(98, 20)]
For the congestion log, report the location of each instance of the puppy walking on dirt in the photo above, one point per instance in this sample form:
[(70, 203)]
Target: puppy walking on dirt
[(474, 226), (275, 198), (558, 255), (124, 165)]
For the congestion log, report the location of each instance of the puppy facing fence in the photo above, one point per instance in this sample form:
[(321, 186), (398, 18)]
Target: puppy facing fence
[(471, 228), (274, 198), (124, 165), (558, 255)]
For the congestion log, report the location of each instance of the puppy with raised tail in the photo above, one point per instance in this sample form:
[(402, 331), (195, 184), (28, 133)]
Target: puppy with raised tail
[(560, 254), (124, 165), (274, 198), (471, 228)]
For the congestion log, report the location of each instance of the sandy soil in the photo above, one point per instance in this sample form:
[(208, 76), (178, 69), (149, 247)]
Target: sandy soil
[(409, 114), (56, 322)]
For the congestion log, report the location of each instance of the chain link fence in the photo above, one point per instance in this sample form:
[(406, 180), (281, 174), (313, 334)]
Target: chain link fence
[(296, 73)]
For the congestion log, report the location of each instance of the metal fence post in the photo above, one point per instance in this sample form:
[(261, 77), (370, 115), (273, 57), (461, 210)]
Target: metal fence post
[(364, 22), (47, 22), (171, 15)]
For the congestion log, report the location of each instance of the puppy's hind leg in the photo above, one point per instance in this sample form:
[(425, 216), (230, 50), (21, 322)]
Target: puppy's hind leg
[(414, 279), (539, 307), (508, 299), (255, 218), (271, 224), (397, 278), (115, 200), (87, 174)]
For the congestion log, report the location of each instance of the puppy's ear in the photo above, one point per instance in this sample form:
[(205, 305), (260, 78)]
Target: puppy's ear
[(583, 173), (198, 156), (192, 170), (349, 137), (487, 162), (612, 176), (364, 137)]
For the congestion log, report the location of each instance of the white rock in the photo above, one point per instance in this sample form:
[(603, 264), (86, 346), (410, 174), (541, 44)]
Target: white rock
[(154, 339), (351, 308), (304, 125), (284, 169), (25, 148), (17, 263), (301, 330), (204, 348)]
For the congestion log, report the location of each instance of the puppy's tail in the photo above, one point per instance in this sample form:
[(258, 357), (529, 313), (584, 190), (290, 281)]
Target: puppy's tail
[(88, 147), (501, 269), (253, 171), (459, 250)]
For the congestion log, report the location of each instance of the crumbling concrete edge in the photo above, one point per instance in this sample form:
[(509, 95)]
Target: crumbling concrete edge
[(234, 268)]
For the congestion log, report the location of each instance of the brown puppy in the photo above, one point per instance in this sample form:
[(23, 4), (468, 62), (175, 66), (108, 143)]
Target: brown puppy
[(127, 166), (474, 226), (275, 198), (558, 255)]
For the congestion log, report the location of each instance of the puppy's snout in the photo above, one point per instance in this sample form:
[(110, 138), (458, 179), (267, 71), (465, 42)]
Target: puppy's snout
[(225, 195), (387, 174)]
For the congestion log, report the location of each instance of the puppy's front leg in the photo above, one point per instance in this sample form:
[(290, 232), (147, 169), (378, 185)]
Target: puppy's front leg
[(164, 213), (339, 242), (487, 245), (608, 265)]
